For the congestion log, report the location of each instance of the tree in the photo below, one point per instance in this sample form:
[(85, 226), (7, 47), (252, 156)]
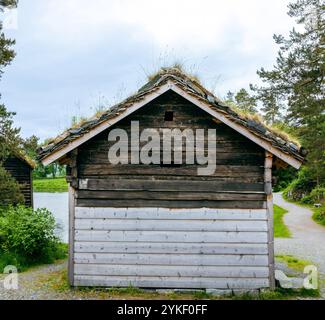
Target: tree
[(6, 53), (298, 80), (9, 136), (245, 102), (230, 97), (30, 146), (271, 108), (10, 141)]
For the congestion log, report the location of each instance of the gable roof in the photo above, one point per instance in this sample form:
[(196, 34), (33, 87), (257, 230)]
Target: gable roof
[(177, 81), (24, 158)]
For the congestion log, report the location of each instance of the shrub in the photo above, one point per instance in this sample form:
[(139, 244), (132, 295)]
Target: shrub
[(283, 177), (29, 236), (319, 215), (300, 187), (318, 194), (9, 189)]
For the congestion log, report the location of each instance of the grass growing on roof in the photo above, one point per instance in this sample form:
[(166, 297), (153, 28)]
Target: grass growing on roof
[(176, 66), (50, 185), (280, 229)]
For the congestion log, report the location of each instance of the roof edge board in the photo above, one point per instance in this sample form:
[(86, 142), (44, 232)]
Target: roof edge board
[(170, 85)]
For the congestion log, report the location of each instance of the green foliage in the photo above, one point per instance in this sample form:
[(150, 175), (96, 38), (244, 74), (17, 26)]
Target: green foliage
[(50, 185), (301, 186), (10, 141), (293, 262), (9, 189), (280, 229), (241, 100), (54, 170), (284, 176), (28, 237), (317, 195), (319, 215), (245, 102), (297, 80)]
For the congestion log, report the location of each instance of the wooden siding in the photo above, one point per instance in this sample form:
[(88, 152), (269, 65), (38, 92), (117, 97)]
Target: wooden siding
[(238, 181), (169, 248), (22, 172)]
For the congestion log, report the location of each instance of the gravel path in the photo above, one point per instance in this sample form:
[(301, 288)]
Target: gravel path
[(308, 237)]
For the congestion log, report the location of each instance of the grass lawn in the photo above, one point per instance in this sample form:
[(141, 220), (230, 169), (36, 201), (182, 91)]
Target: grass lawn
[(280, 229), (293, 262), (50, 185)]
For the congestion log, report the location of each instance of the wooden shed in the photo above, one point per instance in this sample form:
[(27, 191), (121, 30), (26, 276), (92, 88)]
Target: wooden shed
[(21, 167), (164, 225)]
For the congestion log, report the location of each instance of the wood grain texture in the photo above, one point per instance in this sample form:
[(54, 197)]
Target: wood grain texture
[(237, 181), (168, 225), (172, 236), (170, 214), (173, 247), (172, 271), (171, 259), (269, 209), (169, 282), (22, 173), (175, 204)]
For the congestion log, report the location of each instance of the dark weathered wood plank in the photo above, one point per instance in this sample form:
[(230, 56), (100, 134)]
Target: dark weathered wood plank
[(167, 185), (170, 204)]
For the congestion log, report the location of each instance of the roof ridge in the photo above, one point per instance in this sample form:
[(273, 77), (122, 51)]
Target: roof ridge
[(190, 85)]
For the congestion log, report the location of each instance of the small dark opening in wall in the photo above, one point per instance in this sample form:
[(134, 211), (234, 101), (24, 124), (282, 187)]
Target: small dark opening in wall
[(170, 165), (169, 116)]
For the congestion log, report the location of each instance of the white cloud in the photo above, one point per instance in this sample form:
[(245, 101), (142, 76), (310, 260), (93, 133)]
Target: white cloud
[(68, 50), (198, 25)]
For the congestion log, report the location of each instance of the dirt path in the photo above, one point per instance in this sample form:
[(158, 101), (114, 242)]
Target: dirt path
[(308, 238)]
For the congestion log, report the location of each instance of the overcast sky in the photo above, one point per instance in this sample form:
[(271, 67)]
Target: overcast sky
[(73, 53)]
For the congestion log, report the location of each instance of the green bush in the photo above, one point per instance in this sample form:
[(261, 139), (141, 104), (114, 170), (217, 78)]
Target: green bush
[(319, 215), (318, 194), (301, 186), (283, 177), (28, 237)]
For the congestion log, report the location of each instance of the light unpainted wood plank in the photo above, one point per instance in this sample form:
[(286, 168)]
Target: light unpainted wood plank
[(71, 235), (171, 214), (166, 225), (269, 210), (172, 236), (171, 271), (171, 259), (168, 282), (163, 247)]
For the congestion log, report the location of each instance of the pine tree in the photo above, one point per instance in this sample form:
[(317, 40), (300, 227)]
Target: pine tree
[(245, 101), (298, 80), (9, 135)]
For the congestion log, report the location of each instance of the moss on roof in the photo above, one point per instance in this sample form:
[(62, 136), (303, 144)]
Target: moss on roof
[(191, 85)]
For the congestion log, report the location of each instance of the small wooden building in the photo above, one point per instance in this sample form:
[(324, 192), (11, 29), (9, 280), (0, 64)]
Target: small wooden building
[(166, 226), (21, 168)]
